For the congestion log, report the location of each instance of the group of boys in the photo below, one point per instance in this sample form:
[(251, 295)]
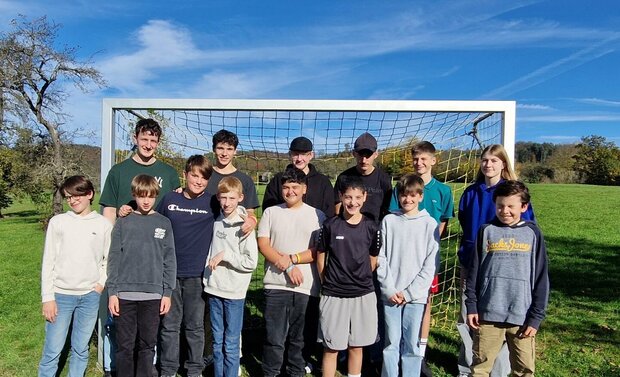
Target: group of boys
[(337, 262)]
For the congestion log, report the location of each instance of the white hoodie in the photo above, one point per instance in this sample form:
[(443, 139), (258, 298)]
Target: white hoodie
[(231, 278), (75, 254)]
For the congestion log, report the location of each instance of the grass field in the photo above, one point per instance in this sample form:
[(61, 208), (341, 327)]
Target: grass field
[(580, 337)]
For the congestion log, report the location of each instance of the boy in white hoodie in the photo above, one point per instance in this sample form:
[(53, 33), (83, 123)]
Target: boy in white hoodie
[(406, 269), (73, 275), (232, 258)]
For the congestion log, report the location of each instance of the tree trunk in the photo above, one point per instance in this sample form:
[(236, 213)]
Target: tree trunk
[(58, 172)]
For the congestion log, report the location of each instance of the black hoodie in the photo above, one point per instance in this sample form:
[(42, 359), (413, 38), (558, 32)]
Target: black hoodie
[(320, 193)]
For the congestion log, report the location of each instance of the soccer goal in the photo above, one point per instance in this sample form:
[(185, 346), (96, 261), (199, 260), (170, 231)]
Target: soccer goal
[(458, 129)]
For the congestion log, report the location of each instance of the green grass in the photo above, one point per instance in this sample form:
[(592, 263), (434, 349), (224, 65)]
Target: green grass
[(581, 335)]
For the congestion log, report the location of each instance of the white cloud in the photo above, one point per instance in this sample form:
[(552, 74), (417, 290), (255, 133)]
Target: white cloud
[(570, 117), (556, 68), (161, 45), (533, 106), (599, 101)]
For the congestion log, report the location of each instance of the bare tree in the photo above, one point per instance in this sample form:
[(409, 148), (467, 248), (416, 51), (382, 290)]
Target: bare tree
[(34, 74)]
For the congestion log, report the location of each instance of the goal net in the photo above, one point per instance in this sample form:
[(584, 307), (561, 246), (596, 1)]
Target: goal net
[(458, 129)]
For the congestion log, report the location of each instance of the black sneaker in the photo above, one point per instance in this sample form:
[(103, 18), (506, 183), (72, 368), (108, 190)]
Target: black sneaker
[(426, 370)]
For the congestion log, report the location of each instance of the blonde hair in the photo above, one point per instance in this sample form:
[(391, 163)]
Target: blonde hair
[(228, 184), (143, 185), (497, 150)]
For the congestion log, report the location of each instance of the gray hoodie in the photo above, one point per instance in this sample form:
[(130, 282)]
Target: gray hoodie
[(408, 255)]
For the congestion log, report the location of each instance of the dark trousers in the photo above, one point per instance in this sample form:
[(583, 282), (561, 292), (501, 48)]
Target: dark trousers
[(188, 305), (312, 348), (136, 336), (285, 313)]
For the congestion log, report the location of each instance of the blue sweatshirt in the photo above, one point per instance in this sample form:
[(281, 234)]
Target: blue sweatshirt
[(508, 280), (475, 209)]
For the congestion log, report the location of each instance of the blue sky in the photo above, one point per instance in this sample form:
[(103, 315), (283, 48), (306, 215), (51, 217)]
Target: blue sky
[(558, 59)]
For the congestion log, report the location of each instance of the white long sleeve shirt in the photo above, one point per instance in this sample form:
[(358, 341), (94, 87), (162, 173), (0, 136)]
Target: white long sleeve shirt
[(75, 254)]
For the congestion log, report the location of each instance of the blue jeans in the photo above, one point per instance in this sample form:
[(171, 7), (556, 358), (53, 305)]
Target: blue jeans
[(285, 315), (188, 307), (83, 309), (402, 339), (226, 324)]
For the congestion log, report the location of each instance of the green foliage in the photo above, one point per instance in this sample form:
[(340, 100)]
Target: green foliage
[(536, 173), (533, 152), (598, 161)]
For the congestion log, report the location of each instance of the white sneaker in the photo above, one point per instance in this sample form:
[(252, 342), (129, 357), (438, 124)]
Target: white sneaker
[(309, 368), (239, 372)]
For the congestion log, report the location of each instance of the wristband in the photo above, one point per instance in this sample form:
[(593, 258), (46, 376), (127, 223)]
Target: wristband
[(298, 258), (290, 257), (289, 268)]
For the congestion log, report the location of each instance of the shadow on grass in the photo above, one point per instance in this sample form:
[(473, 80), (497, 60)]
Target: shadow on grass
[(22, 217), (581, 268)]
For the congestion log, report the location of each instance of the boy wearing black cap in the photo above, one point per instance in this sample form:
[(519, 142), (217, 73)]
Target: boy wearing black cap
[(377, 182), (320, 193)]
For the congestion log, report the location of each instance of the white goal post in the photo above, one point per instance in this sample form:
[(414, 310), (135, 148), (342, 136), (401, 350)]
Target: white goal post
[(458, 129), (111, 106)]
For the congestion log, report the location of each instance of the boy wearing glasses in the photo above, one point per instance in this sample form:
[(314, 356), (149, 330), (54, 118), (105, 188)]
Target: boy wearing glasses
[(73, 275), (320, 193)]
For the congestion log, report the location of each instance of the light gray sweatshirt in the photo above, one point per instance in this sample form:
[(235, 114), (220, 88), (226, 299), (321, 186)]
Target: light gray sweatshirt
[(407, 259), (231, 278)]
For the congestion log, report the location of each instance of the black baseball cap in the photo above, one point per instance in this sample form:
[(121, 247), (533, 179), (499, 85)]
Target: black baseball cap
[(365, 142), (301, 144)]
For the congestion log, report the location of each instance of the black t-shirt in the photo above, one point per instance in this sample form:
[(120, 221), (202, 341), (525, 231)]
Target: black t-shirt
[(347, 264), (378, 186)]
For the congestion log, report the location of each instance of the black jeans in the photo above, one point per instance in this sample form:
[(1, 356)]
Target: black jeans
[(285, 313), (188, 306), (136, 329)]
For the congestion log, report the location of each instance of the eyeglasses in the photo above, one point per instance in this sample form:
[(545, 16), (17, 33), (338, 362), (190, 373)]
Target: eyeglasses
[(70, 198)]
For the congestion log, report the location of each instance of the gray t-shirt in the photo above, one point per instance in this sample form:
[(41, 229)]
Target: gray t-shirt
[(291, 231)]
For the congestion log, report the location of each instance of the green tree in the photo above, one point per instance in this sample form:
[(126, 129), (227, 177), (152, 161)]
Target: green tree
[(597, 161), (34, 77)]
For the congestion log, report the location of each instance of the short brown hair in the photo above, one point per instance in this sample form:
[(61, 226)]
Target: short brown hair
[(510, 188), (148, 125), (144, 185), (228, 184), (77, 185), (201, 163), (410, 184), (423, 147)]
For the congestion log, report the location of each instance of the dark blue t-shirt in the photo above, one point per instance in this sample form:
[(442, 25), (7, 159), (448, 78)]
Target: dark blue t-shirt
[(192, 223), (348, 272)]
